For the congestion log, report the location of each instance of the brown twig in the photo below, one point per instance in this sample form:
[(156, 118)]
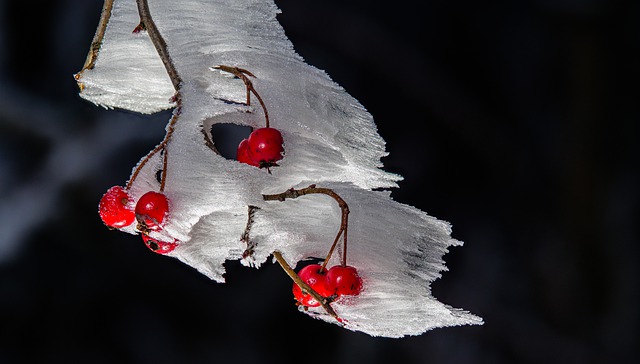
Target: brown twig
[(162, 146), (96, 43), (146, 22), (293, 193), (245, 237), (324, 301), (242, 73), (248, 252)]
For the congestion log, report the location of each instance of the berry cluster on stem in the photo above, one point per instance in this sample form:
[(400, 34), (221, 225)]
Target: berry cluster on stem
[(265, 146), (116, 206), (314, 285)]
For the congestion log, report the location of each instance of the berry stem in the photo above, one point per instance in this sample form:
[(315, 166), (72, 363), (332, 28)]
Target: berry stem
[(147, 23), (312, 189), (324, 302), (162, 146), (170, 130), (242, 74)]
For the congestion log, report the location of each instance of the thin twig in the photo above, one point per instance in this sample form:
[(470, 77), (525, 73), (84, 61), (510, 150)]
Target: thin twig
[(245, 237), (161, 46), (165, 157), (142, 164), (324, 302), (96, 43), (293, 193), (147, 23), (242, 73), (162, 146)]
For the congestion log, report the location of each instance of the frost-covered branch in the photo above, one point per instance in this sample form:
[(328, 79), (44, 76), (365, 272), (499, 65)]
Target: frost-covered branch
[(147, 23), (242, 74), (344, 223), (96, 43), (160, 147), (246, 234), (397, 250), (324, 301)]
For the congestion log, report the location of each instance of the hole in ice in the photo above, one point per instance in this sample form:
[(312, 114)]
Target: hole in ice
[(226, 138)]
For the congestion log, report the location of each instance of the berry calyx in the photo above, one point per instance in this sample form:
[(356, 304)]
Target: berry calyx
[(265, 146), (151, 210), (243, 155), (315, 276), (157, 246), (115, 208), (343, 280)]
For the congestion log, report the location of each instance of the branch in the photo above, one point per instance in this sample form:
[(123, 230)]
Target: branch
[(96, 43), (248, 252), (242, 73), (324, 302), (146, 22), (293, 193)]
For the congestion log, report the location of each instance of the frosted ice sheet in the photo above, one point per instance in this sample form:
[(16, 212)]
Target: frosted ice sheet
[(330, 140), (128, 73)]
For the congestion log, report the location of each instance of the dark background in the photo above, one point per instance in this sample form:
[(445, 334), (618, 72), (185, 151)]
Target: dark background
[(515, 121)]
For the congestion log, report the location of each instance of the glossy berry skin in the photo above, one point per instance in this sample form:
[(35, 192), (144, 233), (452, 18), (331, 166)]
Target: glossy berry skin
[(315, 277), (151, 210), (157, 246), (115, 208), (266, 146), (243, 155), (344, 280)]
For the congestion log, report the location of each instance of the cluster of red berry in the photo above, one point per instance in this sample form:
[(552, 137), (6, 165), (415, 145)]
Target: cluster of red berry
[(338, 281), (262, 149), (116, 211)]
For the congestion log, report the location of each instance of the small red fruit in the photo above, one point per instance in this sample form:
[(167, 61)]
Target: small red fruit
[(151, 210), (344, 280), (157, 246), (266, 146), (115, 208), (315, 277), (243, 155)]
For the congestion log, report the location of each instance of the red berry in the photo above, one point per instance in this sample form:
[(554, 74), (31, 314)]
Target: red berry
[(243, 155), (151, 209), (115, 208), (344, 280), (266, 146), (157, 246), (315, 277)]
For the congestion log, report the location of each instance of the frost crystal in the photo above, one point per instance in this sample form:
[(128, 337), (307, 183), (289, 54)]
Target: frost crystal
[(330, 141)]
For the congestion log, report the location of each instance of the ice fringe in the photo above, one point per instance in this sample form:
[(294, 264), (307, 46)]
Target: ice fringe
[(331, 141)]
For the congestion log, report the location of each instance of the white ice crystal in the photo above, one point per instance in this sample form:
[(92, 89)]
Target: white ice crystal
[(330, 141)]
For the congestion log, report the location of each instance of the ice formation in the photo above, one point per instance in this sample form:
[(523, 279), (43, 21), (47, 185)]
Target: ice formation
[(330, 141)]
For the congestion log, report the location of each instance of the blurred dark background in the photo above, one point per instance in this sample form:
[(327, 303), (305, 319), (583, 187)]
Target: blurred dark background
[(515, 121)]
